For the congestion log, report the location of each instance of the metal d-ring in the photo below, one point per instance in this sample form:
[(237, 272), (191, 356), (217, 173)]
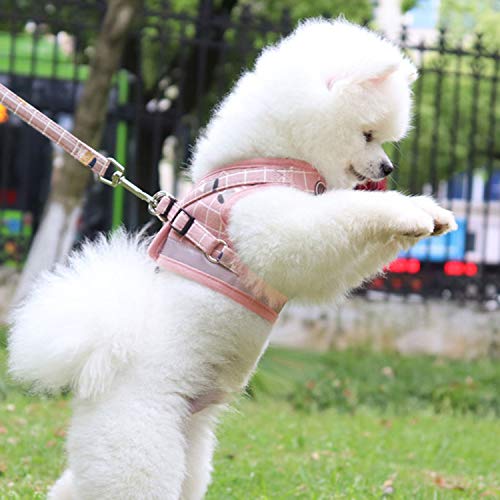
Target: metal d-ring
[(213, 259)]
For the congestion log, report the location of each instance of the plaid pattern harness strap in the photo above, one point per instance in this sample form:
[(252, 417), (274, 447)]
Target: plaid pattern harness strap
[(194, 240)]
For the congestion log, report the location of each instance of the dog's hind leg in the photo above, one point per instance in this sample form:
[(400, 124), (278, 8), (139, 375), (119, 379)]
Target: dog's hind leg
[(63, 488), (200, 443), (129, 446)]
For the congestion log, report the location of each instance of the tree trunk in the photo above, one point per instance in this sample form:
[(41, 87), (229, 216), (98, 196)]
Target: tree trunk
[(57, 230)]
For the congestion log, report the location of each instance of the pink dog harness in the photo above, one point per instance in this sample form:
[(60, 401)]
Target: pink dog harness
[(194, 240)]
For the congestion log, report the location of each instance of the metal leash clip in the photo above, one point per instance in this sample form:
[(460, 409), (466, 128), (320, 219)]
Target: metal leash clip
[(118, 179)]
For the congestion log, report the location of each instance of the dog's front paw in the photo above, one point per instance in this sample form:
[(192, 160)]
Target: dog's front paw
[(444, 220), (412, 224)]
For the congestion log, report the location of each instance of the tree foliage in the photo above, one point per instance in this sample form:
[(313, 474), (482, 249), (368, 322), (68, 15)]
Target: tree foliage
[(355, 10), (463, 17)]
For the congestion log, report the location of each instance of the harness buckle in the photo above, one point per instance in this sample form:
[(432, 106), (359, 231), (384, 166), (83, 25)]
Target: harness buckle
[(187, 225), (210, 257)]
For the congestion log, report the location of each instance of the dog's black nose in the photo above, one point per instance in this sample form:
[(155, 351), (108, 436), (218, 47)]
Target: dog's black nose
[(386, 168)]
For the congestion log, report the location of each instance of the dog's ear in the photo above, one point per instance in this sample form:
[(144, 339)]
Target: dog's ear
[(405, 67), (379, 76), (367, 76)]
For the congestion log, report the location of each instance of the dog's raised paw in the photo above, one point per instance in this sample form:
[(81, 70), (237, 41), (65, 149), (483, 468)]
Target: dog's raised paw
[(444, 220), (412, 228), (412, 223)]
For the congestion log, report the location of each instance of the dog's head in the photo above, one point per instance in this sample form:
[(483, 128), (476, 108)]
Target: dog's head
[(330, 94)]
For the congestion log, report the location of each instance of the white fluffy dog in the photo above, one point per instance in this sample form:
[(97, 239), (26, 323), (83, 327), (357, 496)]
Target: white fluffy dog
[(136, 344)]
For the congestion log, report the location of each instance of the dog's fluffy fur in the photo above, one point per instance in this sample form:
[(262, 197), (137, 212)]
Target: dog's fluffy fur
[(136, 345)]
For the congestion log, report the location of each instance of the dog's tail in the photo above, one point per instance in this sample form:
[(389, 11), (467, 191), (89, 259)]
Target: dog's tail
[(81, 323)]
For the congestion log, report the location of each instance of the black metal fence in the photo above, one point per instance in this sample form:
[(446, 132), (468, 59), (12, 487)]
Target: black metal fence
[(178, 64), (200, 55)]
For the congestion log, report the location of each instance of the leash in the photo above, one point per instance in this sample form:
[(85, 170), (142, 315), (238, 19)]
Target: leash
[(83, 153)]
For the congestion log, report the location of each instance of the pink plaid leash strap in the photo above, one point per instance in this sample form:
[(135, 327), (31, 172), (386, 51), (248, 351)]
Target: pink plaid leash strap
[(82, 152), (73, 146)]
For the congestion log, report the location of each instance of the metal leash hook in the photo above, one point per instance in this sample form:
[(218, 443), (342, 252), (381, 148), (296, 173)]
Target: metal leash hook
[(118, 179)]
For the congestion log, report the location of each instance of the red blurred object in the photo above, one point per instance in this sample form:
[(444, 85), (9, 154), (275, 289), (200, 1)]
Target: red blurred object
[(398, 266), (410, 266), (416, 284), (454, 268), (373, 186), (396, 283), (8, 196), (458, 268), (470, 269), (378, 283)]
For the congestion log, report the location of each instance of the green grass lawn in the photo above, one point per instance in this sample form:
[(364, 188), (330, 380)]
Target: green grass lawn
[(280, 445), (270, 451)]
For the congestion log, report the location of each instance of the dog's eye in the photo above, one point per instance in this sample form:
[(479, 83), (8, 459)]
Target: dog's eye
[(368, 136)]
